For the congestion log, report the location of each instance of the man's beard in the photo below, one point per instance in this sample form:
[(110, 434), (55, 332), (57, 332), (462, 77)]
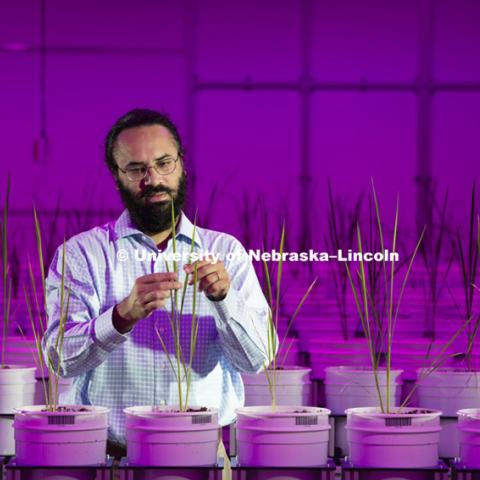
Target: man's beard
[(154, 217)]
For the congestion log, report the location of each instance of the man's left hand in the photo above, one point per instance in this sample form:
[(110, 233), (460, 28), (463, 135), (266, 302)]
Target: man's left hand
[(213, 278)]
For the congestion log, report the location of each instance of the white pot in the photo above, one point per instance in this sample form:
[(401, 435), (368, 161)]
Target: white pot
[(7, 440), (469, 430), (393, 440), (321, 358), (161, 436), (449, 390), (17, 388), (64, 384), (70, 438), (348, 387), (293, 387), (288, 436)]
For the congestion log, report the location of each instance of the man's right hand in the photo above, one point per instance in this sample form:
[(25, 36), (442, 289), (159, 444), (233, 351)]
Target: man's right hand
[(148, 294)]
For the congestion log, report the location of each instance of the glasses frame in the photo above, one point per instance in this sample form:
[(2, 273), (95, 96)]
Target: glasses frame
[(147, 171)]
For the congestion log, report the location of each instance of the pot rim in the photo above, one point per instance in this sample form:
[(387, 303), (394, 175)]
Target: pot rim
[(167, 410), (40, 410), (281, 411), (13, 368), (286, 368), (450, 371), (361, 369), (374, 412), (469, 413)]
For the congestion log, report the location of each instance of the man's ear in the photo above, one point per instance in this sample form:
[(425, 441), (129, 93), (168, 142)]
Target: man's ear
[(183, 166), (116, 180)]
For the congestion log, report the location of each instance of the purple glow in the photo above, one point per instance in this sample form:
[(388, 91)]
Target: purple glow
[(272, 99)]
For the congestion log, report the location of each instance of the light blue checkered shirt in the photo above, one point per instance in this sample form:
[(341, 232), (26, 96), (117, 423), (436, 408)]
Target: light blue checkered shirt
[(115, 370)]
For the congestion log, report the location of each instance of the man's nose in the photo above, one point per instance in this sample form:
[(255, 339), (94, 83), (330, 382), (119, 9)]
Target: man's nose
[(151, 176)]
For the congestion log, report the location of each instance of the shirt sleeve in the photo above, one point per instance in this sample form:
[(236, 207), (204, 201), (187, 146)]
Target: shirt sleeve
[(242, 318), (89, 333)]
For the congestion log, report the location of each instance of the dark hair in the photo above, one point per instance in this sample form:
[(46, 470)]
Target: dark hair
[(139, 117)]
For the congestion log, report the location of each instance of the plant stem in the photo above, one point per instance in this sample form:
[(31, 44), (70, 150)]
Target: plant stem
[(6, 284)]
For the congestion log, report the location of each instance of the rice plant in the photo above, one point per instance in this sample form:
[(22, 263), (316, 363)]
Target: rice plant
[(273, 295), (467, 256), (37, 312), (182, 366), (365, 293)]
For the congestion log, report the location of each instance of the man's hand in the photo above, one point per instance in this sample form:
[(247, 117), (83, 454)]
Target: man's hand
[(212, 278), (148, 294)]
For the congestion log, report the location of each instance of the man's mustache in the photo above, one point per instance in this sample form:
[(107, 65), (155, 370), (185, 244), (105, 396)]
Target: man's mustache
[(150, 191)]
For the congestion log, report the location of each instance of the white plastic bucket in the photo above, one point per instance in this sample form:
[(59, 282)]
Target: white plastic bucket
[(64, 384), (64, 438), (449, 390), (7, 441), (393, 440), (322, 358), (349, 387), (17, 388), (164, 437), (469, 430), (288, 436), (293, 387)]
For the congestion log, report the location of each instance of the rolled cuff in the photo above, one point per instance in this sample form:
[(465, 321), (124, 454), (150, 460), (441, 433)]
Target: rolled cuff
[(227, 309), (106, 335)]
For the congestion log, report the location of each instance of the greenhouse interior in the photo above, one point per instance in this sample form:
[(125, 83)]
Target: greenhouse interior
[(240, 240)]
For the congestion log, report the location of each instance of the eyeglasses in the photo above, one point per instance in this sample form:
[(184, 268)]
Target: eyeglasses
[(163, 166)]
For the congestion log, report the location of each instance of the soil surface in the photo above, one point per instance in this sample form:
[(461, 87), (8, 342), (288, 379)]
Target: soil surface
[(64, 409), (176, 410), (412, 411)]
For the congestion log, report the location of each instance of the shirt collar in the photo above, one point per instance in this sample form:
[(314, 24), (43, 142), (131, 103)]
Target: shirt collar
[(124, 227), (185, 229)]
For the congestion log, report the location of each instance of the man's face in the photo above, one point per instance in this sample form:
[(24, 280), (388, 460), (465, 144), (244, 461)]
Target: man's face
[(148, 199)]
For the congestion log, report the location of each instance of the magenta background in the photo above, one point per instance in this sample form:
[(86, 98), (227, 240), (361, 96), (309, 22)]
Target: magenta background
[(266, 93)]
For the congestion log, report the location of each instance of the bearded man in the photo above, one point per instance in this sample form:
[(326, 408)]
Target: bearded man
[(119, 299)]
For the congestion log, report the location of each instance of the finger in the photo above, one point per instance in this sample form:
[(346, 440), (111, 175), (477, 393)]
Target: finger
[(208, 270), (211, 279), (152, 287), (154, 305), (158, 277), (155, 295), (190, 267), (169, 285)]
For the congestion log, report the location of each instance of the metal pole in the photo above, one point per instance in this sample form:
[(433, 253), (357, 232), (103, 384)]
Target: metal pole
[(425, 90), (305, 178)]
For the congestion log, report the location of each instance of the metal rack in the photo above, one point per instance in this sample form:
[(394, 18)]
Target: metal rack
[(324, 472), (137, 472), (81, 472)]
